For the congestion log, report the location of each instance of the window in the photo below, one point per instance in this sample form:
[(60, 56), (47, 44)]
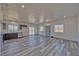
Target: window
[(31, 30), (41, 28), (15, 28), (59, 28), (12, 28), (56, 28)]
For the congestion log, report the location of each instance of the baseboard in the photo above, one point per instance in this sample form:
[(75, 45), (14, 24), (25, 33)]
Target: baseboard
[(65, 39)]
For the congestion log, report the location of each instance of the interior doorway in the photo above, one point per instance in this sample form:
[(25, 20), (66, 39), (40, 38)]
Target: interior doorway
[(47, 30)]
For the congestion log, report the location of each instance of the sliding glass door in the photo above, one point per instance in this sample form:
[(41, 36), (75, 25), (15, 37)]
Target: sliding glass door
[(31, 30), (39, 30), (42, 30)]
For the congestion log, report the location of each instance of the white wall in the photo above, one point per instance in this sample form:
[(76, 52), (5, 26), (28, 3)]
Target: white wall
[(1, 43), (0, 39), (70, 28), (24, 31), (78, 27)]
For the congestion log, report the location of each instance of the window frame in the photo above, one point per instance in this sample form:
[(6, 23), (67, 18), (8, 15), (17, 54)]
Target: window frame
[(13, 28), (60, 28)]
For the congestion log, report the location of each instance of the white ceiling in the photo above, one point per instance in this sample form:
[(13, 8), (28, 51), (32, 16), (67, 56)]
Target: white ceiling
[(38, 12)]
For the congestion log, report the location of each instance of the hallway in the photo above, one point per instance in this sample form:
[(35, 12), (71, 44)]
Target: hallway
[(40, 46)]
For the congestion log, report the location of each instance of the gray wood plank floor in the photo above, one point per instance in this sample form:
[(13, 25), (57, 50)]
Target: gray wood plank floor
[(40, 46)]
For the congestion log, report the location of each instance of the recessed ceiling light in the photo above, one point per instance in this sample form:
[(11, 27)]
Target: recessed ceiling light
[(22, 6), (47, 20), (64, 16)]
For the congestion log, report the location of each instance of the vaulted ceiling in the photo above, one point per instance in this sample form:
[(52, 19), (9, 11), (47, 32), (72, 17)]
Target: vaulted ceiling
[(36, 13)]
